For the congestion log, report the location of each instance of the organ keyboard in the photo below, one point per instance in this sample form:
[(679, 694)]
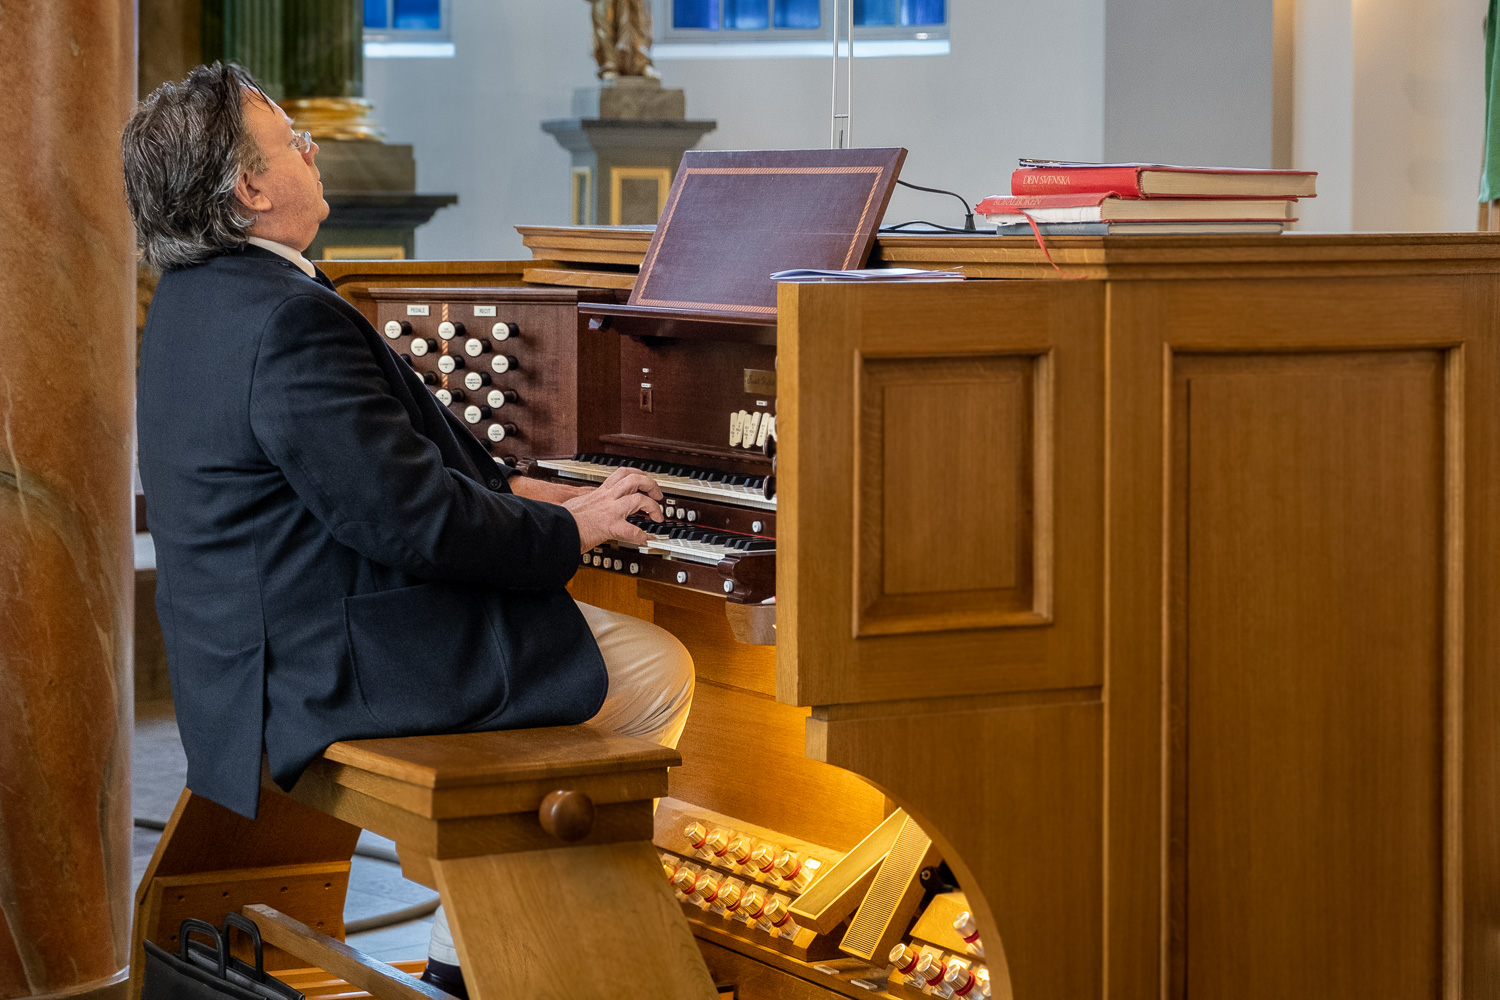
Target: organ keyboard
[(701, 484)]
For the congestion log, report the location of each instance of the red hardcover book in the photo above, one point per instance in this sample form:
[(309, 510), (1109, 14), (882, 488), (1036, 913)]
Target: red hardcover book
[(1110, 207), (1160, 180)]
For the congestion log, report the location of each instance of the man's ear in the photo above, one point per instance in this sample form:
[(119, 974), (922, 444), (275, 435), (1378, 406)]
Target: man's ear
[(250, 196)]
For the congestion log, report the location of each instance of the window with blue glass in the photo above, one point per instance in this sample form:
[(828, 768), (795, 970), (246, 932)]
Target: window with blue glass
[(405, 18), (778, 18)]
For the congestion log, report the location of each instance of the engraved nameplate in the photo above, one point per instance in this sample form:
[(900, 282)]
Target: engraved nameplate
[(760, 382)]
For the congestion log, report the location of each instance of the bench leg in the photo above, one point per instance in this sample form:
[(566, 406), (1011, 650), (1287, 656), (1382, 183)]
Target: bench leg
[(571, 922)]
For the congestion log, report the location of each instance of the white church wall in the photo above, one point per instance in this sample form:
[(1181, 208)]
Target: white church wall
[(1021, 80), (1388, 104)]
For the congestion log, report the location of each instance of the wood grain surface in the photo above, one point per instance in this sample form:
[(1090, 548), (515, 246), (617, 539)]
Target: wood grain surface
[(1307, 664), (457, 759), (332, 955), (207, 845), (830, 335), (519, 921), (1296, 666)]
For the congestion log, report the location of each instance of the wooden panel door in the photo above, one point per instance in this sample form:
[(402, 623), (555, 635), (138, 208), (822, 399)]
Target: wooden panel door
[(1302, 679), (941, 484)]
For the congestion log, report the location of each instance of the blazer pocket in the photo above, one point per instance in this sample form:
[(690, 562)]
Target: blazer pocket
[(427, 659)]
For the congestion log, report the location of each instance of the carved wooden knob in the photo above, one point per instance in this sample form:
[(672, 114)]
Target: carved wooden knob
[(567, 816)]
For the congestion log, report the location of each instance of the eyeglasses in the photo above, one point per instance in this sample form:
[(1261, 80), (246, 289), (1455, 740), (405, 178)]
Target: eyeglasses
[(302, 142)]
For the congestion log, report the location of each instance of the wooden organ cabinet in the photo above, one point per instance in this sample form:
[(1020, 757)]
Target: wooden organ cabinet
[(1162, 602)]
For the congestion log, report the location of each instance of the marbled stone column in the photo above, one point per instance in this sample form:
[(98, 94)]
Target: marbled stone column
[(248, 32), (325, 55), (67, 284)]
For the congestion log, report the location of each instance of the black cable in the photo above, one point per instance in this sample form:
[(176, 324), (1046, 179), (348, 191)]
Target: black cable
[(901, 227), (375, 922), (968, 211)]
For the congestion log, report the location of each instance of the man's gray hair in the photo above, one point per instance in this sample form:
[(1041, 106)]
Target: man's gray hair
[(184, 149)]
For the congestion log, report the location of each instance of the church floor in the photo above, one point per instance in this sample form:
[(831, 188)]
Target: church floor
[(158, 773)]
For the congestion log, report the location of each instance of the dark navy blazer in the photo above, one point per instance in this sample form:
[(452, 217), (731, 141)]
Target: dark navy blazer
[(337, 557)]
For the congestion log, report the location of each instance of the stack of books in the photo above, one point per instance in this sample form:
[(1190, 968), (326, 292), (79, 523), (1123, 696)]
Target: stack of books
[(1089, 199)]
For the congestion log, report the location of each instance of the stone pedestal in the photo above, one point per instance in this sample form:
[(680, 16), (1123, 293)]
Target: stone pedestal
[(626, 138), (67, 386), (374, 225), (373, 206)]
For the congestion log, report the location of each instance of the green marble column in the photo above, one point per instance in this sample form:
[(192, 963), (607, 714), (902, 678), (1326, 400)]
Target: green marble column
[(251, 33), (307, 54), (324, 48)]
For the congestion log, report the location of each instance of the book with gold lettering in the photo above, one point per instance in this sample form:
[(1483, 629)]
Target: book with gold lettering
[(1159, 180)]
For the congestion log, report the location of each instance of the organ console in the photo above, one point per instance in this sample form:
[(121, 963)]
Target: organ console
[(1129, 634)]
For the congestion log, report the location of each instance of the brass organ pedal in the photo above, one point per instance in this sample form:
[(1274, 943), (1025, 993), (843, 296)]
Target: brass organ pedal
[(892, 901), (830, 900)]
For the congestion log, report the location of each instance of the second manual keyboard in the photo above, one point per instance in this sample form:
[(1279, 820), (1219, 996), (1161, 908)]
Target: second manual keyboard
[(689, 481), (736, 566)]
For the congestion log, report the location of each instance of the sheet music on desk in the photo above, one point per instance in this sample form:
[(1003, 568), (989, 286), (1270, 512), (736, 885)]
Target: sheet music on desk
[(867, 274)]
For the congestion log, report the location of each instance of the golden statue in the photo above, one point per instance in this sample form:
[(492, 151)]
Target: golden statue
[(622, 38)]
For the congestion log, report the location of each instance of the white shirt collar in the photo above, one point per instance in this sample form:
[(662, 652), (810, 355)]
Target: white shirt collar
[(281, 248)]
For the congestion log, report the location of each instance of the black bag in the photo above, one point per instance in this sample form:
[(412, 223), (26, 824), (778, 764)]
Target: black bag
[(200, 972)]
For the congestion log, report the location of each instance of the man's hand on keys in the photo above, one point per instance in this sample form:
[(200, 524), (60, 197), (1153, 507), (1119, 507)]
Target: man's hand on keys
[(601, 513)]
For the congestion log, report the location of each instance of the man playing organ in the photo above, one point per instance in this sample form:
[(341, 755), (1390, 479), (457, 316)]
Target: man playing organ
[(337, 558)]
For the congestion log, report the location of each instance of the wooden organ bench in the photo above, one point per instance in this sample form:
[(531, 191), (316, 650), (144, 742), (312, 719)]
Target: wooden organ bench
[(537, 841)]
